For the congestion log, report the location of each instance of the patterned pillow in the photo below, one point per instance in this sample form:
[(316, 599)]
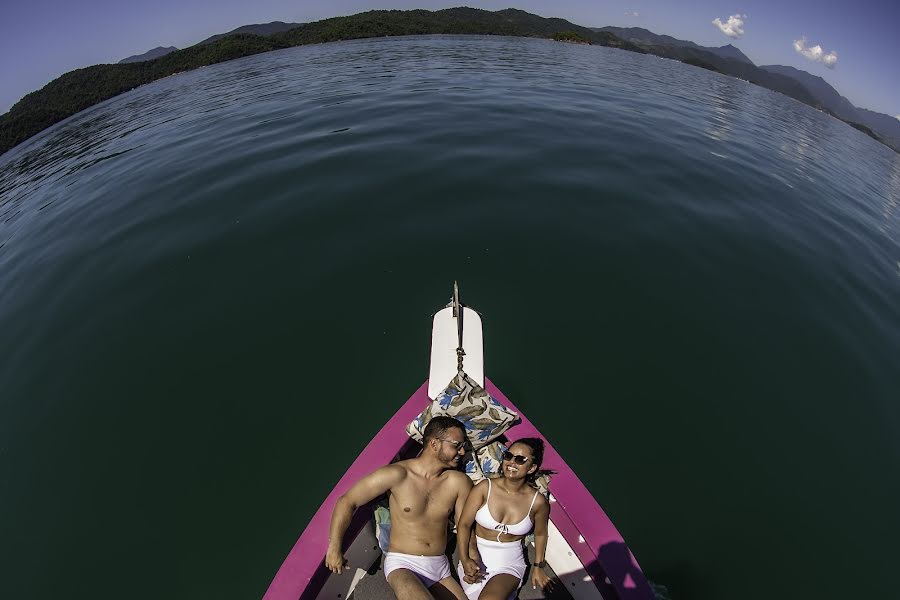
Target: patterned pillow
[(489, 459), (543, 482), (483, 417)]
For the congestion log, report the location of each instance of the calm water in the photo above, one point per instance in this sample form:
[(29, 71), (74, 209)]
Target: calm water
[(691, 284)]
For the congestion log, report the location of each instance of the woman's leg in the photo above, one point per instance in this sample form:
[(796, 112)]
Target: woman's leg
[(500, 587)]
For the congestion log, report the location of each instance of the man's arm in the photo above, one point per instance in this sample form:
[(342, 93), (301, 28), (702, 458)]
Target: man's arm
[(365, 490)]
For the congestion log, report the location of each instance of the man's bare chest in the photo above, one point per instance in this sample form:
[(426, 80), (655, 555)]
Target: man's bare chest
[(417, 499)]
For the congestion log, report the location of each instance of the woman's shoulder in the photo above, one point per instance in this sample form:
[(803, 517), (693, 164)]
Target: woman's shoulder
[(540, 499)]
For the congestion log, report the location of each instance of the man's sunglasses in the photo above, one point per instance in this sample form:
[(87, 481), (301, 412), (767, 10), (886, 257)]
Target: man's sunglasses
[(463, 444), (520, 460)]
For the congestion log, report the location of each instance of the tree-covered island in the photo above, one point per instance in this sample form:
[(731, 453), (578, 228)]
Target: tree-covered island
[(572, 37)]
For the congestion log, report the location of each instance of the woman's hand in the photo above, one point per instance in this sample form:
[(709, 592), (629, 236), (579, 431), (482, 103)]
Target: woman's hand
[(539, 579), (472, 571)]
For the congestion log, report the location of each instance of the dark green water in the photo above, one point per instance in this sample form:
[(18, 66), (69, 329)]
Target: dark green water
[(215, 289)]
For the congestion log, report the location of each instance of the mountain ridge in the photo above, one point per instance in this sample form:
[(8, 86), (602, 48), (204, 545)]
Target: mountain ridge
[(157, 52), (831, 100), (816, 92), (76, 90), (263, 29), (639, 35)]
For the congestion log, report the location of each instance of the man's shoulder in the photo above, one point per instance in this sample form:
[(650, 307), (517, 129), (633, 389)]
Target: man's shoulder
[(401, 465), (458, 478), (394, 471)]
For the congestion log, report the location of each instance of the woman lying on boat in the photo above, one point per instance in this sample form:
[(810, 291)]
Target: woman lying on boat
[(504, 510)]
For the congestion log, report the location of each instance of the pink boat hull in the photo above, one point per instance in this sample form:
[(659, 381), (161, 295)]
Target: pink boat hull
[(579, 518)]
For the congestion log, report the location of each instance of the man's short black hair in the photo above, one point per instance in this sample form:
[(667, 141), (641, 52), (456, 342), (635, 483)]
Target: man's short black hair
[(437, 427)]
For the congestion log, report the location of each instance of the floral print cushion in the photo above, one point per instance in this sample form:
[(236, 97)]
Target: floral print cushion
[(488, 462), (484, 418)]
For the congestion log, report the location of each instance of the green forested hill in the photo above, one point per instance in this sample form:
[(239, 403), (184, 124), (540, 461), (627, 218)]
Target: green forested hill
[(82, 88), (79, 89), (449, 21)]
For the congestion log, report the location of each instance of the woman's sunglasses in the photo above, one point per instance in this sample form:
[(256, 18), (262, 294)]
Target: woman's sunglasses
[(520, 460)]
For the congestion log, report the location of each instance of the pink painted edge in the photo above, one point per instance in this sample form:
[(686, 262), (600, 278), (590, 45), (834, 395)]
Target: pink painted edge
[(575, 512), (305, 558)]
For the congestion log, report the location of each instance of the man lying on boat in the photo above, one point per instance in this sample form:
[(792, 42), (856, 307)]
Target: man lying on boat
[(423, 493)]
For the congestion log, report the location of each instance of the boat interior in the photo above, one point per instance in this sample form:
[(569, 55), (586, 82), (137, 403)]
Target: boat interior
[(370, 583)]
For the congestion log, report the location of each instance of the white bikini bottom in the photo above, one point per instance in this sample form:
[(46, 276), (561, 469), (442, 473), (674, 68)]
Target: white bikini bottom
[(496, 558)]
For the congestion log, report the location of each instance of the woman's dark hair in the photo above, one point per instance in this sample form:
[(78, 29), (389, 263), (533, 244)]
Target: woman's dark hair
[(537, 452)]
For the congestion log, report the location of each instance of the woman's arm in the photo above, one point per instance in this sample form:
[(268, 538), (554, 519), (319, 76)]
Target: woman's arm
[(465, 534), (541, 520), (473, 547)]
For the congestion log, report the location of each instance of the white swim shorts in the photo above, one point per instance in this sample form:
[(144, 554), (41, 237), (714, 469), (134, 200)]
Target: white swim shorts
[(497, 558), (429, 569)]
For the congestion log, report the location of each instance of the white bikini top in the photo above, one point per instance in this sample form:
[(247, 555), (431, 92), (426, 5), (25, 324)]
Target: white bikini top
[(484, 518)]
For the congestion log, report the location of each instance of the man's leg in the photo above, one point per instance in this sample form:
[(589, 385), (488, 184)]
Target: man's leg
[(407, 586), (447, 589)]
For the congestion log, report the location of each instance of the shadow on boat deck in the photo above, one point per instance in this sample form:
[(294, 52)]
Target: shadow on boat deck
[(373, 585)]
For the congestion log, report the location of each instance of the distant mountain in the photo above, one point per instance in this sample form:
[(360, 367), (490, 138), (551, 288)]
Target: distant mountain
[(885, 125), (736, 68), (825, 95), (260, 29), (638, 35), (729, 51), (148, 55), (828, 98), (792, 82)]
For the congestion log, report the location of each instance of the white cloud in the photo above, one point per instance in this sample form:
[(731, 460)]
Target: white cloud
[(816, 53), (733, 27), (632, 13)]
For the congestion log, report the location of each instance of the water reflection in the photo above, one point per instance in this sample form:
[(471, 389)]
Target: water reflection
[(724, 108), (892, 198)]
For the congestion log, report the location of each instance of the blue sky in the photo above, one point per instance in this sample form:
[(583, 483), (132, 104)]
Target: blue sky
[(42, 39)]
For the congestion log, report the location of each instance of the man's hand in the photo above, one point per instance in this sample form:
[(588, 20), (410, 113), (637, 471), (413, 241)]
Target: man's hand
[(335, 560), (473, 573), (539, 579)]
